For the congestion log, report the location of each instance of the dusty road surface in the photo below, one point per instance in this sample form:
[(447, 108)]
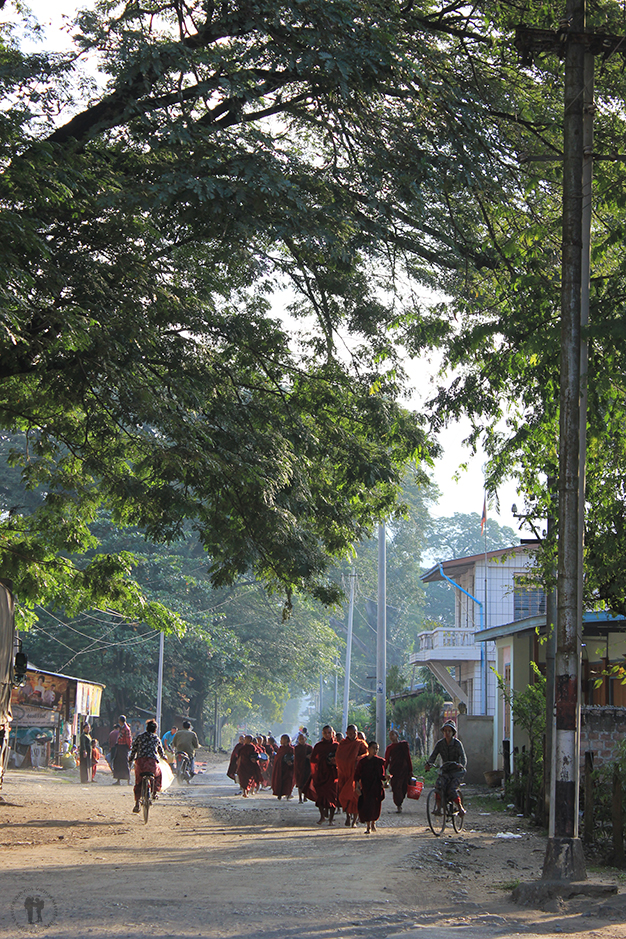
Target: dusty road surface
[(211, 864)]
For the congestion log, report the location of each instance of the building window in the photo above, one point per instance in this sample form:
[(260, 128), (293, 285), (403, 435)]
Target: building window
[(528, 601)]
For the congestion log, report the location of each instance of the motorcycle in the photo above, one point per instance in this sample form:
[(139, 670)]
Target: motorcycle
[(183, 767)]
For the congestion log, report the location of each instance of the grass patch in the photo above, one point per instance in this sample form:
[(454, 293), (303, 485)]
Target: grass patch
[(486, 803), (508, 884)]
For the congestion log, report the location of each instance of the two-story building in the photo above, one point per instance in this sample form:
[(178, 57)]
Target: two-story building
[(490, 589)]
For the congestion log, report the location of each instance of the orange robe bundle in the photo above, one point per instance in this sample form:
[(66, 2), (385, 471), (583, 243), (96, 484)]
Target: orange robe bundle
[(348, 755)]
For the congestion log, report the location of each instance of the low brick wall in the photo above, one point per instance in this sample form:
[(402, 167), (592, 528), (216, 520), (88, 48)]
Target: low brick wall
[(602, 728)]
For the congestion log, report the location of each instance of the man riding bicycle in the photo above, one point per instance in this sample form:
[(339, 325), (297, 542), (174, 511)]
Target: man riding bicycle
[(145, 751), (453, 766)]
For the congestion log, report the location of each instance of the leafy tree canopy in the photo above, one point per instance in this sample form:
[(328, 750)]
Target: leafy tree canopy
[(340, 147)]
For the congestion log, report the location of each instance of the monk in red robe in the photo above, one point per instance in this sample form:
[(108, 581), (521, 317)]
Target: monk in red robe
[(282, 772), (231, 772), (399, 766), (248, 767), (324, 767), (349, 752), (368, 776), (302, 768)]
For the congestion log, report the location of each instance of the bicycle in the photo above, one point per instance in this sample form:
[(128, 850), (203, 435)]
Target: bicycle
[(183, 767), (145, 799), (449, 813)]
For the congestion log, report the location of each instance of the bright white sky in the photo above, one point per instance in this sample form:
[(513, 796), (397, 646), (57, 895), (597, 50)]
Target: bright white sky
[(464, 495)]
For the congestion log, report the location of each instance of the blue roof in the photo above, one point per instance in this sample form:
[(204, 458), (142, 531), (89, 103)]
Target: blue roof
[(601, 618)]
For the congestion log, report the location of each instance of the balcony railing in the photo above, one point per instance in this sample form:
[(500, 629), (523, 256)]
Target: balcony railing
[(446, 645), (445, 638)]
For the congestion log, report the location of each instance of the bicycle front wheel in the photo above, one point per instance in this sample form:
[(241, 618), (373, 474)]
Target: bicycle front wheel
[(437, 822), (145, 798)]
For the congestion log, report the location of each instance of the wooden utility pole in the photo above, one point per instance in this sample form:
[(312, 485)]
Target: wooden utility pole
[(564, 855)]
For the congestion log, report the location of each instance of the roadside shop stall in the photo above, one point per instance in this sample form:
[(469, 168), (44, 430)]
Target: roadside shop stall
[(48, 712)]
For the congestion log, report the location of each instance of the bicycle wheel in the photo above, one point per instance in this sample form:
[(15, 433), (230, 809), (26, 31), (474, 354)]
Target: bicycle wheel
[(145, 798), (437, 822), (457, 818)]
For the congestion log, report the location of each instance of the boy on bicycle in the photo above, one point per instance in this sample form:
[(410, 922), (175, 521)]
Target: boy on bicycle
[(453, 766)]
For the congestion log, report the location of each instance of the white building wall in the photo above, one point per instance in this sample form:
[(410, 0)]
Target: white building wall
[(500, 608), (500, 585)]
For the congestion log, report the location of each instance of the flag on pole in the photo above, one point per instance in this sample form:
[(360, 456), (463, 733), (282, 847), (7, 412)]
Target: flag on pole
[(483, 520)]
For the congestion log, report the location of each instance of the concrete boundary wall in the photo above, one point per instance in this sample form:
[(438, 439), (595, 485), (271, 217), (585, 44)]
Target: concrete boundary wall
[(476, 735)]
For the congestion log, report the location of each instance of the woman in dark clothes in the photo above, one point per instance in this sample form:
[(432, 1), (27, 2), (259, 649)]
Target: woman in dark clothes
[(368, 776), (85, 748), (122, 749)]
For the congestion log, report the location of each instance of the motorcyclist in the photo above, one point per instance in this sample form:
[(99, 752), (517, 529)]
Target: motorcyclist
[(185, 740), (453, 767), (166, 740)]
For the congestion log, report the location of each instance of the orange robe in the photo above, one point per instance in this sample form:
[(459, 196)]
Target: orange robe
[(348, 755)]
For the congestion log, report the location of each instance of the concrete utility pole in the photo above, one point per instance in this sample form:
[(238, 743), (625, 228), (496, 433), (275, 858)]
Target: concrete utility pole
[(381, 640), (159, 706), (321, 701), (564, 855), (548, 772), (346, 684)]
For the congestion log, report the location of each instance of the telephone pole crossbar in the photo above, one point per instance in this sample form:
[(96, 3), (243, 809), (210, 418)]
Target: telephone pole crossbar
[(531, 42)]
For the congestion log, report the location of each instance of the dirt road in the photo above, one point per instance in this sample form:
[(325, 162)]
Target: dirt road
[(211, 864)]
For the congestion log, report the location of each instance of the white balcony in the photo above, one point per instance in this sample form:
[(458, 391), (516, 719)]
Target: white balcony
[(446, 645)]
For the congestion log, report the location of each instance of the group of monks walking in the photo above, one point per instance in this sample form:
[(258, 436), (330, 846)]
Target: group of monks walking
[(338, 773)]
